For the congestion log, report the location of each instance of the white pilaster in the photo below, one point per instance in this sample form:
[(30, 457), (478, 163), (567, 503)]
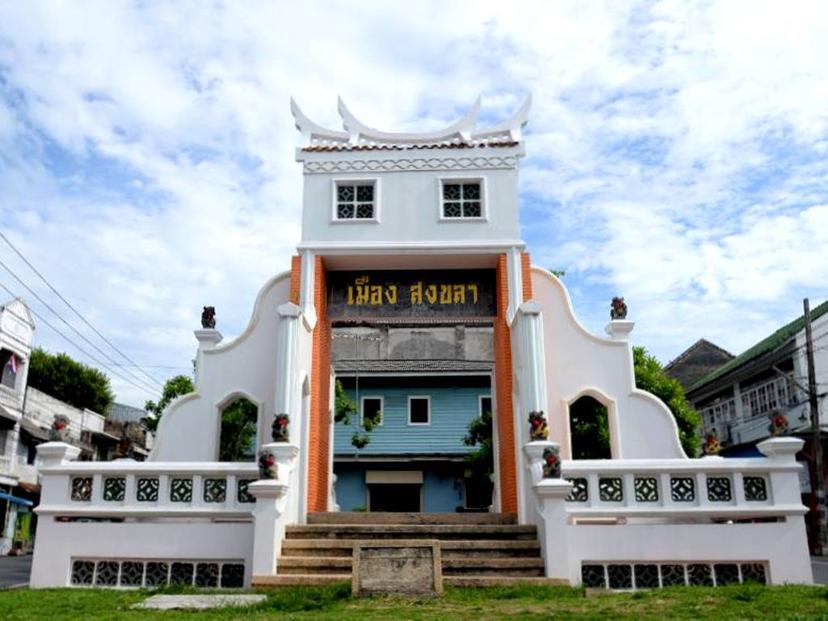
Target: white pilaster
[(287, 357), (307, 282), (207, 339), (514, 271)]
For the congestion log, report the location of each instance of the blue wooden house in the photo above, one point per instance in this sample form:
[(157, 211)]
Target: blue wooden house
[(415, 459)]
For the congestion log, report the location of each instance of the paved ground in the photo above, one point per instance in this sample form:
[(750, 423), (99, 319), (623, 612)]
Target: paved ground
[(820, 567), (14, 570)]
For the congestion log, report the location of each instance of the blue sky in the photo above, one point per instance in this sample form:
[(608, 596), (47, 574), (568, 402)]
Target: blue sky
[(676, 151)]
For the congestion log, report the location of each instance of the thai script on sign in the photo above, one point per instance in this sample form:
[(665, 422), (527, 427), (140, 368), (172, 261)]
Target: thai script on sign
[(363, 293)]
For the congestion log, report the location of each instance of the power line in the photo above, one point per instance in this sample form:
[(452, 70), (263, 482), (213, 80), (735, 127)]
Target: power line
[(69, 325), (79, 348), (74, 310)]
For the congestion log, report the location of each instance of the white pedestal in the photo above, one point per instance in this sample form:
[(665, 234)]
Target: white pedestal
[(619, 329)]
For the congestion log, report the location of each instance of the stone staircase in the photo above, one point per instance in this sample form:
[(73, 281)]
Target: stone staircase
[(477, 549)]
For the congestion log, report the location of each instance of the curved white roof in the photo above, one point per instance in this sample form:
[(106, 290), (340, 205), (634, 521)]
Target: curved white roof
[(463, 131)]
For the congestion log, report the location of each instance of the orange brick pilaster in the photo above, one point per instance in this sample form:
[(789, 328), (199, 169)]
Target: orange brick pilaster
[(319, 424)]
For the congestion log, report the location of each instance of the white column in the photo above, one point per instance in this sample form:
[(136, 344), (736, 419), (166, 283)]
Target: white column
[(514, 271), (552, 494), (286, 363), (307, 282), (207, 338), (529, 359), (269, 513), (268, 529)]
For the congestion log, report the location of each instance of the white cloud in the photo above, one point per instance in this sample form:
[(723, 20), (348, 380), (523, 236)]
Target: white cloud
[(676, 150)]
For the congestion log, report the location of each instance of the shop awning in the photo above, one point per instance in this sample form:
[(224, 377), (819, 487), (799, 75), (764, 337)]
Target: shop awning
[(15, 499), (33, 429)]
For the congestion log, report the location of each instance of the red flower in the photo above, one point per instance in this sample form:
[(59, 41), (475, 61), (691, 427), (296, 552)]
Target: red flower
[(551, 459)]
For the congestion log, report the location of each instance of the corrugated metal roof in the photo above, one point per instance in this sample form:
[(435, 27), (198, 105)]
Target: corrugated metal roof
[(768, 344), (326, 148), (412, 366)]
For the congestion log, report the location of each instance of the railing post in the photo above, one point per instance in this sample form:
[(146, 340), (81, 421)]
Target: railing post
[(271, 499), (552, 495)]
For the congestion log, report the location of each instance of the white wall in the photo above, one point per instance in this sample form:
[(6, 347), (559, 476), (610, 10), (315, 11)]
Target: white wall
[(245, 366), (195, 539), (577, 363), (409, 201)]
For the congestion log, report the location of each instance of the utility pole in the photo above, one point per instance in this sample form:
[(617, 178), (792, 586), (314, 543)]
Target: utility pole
[(819, 491)]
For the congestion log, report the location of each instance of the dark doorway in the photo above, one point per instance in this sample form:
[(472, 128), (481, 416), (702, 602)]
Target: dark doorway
[(398, 497), (589, 427)]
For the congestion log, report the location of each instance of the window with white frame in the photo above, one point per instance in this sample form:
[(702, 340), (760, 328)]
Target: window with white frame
[(419, 410), (461, 199), (372, 410), (355, 200)]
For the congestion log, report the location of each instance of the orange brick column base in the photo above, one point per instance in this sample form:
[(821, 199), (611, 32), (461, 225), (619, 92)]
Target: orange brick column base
[(503, 377), (320, 421)]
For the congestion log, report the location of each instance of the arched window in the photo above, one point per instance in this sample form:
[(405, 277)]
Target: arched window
[(589, 429), (238, 430)]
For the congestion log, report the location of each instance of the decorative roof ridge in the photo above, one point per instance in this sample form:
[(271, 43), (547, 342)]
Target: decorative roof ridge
[(462, 132)]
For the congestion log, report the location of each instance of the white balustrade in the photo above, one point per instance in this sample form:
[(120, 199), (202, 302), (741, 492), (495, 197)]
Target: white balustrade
[(708, 488), (124, 489)]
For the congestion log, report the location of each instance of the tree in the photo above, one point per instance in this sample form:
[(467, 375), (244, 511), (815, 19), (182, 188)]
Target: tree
[(70, 381), (589, 429), (238, 428), (650, 376), (173, 387)]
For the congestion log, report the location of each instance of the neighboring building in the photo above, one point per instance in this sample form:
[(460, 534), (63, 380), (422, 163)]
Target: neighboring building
[(411, 286), (26, 419), (762, 392), (697, 361), (738, 399), (428, 384)]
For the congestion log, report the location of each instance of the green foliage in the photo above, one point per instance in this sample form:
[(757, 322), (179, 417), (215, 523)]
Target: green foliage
[(650, 376), (238, 428), (558, 273), (480, 435), (66, 379), (589, 428), (345, 408), (173, 387)]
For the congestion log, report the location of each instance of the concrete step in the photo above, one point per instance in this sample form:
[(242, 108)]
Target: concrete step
[(314, 565), (486, 548), (299, 580), (412, 531), (345, 517), (500, 581), (455, 581), (498, 567)]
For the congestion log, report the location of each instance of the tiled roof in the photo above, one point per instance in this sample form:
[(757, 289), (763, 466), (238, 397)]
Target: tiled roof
[(768, 344), (325, 148), (412, 366)]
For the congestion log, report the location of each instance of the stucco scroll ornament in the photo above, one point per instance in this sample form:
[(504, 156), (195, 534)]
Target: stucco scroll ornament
[(538, 429), (279, 429), (208, 318), (267, 465), (618, 308), (552, 462), (60, 428)]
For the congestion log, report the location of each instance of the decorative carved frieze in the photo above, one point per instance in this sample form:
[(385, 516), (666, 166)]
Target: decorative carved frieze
[(415, 164)]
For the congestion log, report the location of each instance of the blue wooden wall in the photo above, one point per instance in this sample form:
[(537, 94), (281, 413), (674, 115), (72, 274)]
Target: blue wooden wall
[(452, 408)]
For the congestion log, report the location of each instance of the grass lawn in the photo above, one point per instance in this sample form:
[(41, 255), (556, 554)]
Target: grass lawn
[(531, 602)]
